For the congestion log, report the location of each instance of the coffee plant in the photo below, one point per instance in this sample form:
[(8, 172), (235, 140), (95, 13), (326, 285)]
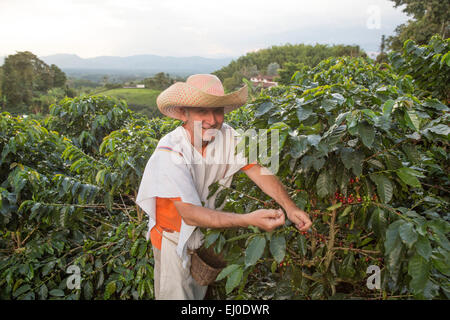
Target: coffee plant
[(428, 65), (63, 205), (368, 160)]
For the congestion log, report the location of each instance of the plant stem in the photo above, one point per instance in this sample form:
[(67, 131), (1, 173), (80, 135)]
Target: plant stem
[(244, 194), (330, 245), (365, 252)]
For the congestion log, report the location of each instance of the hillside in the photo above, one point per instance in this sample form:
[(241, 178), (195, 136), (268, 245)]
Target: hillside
[(138, 64), (288, 57), (139, 100)]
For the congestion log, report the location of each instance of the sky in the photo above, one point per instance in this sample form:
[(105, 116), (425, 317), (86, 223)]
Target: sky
[(181, 28)]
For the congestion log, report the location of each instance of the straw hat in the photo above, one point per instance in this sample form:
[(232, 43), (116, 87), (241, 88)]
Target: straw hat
[(199, 90)]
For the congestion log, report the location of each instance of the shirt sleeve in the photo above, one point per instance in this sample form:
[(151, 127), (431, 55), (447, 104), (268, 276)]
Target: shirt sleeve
[(249, 166)]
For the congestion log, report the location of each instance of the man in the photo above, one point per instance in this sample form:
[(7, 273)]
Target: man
[(174, 187)]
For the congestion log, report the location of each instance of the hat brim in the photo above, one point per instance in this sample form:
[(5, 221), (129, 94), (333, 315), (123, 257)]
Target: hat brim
[(181, 94)]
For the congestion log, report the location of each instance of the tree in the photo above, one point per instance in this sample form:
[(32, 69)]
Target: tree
[(382, 57), (25, 78), (429, 17), (383, 43), (281, 55), (272, 69), (159, 81), (59, 77), (428, 65), (1, 76)]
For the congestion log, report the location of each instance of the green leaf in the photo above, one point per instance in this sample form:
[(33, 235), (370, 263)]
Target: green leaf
[(329, 104), (335, 206), (423, 247), (88, 290), (264, 108), (273, 267), (338, 98), (411, 152), (278, 247), (220, 198), (110, 289), (392, 162), (35, 210), (346, 269), (109, 201), (211, 237), (384, 187), (441, 264), (299, 146), (212, 189), (347, 157), (56, 293), (318, 163), (314, 139), (234, 279), (418, 269), (367, 133), (254, 250), (408, 176), (441, 129), (21, 290), (357, 162), (323, 184), (302, 245), (408, 234), (333, 135), (445, 59), (303, 113), (435, 104), (378, 222), (43, 292), (226, 271), (387, 107), (412, 119), (392, 236), (345, 212), (394, 261), (307, 162), (101, 279), (134, 247), (142, 249)]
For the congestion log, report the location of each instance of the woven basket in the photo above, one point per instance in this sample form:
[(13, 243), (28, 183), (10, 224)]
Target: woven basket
[(206, 265)]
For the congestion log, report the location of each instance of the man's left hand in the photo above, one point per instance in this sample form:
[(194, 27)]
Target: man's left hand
[(300, 218)]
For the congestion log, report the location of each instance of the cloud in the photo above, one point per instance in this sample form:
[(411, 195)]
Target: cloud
[(180, 28)]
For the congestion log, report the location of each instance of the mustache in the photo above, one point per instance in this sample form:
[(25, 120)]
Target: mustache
[(216, 126)]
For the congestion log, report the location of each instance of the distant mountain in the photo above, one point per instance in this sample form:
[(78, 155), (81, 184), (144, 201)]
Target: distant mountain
[(138, 64)]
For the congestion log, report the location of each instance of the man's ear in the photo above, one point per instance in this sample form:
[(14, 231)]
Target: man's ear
[(184, 114)]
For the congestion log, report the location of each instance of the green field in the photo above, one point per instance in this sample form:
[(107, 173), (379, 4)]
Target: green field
[(140, 100)]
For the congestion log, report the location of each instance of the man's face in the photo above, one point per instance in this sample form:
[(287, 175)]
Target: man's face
[(208, 118)]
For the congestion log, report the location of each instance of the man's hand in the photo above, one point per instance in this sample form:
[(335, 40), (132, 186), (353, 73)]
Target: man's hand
[(274, 189), (300, 218), (266, 219)]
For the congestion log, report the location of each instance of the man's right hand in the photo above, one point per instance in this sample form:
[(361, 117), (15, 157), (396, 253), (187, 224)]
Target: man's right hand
[(266, 219)]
